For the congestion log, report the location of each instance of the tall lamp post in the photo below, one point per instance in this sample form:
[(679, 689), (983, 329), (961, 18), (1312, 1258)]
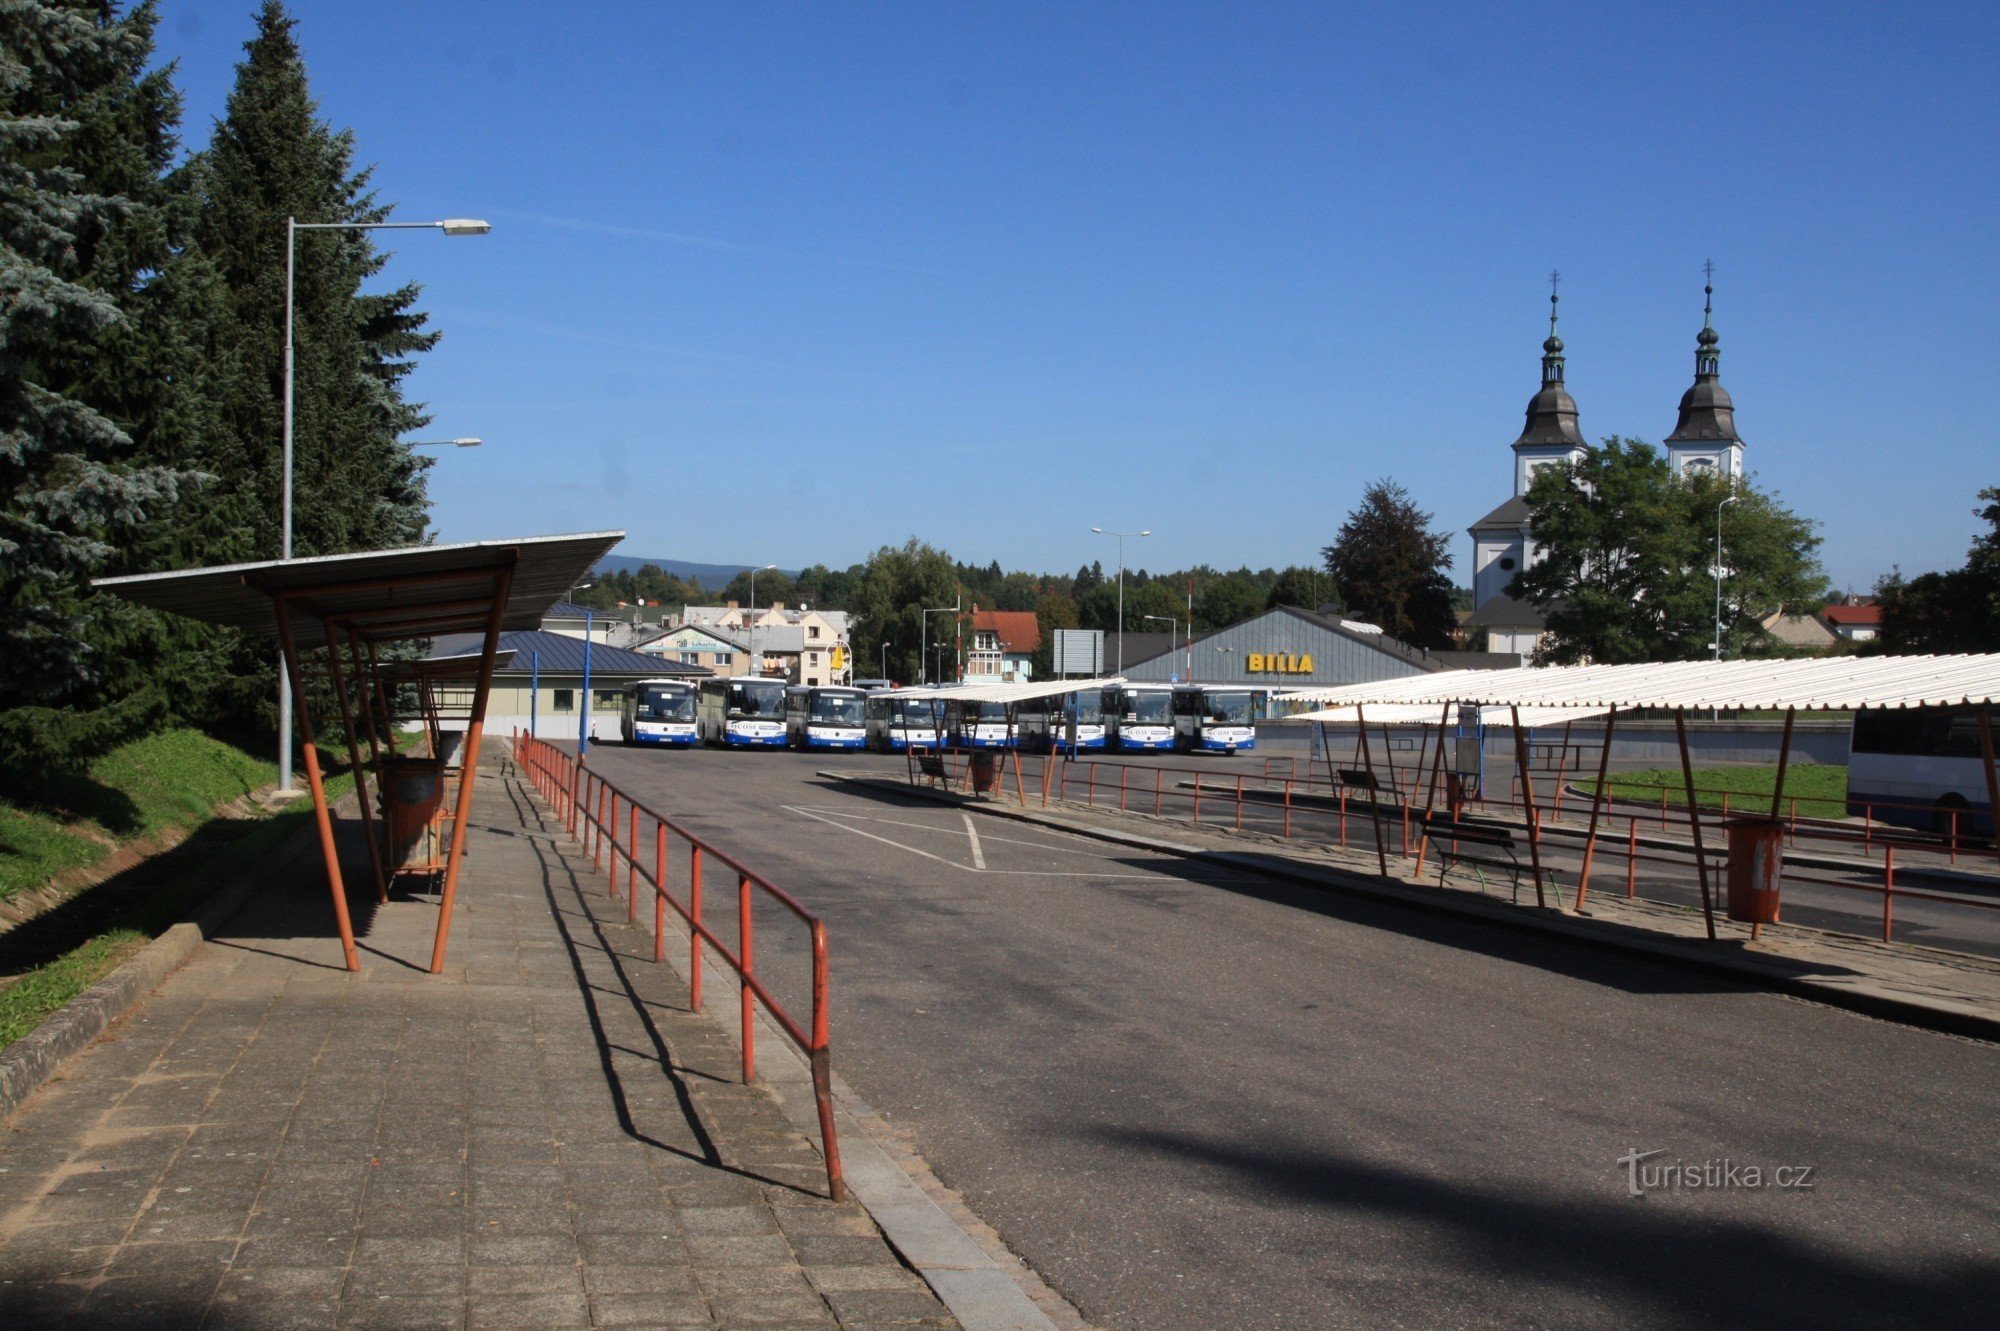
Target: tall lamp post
[(923, 629), (756, 662), (583, 722), (1173, 629), (1121, 535), (1718, 574), (885, 661), (451, 226)]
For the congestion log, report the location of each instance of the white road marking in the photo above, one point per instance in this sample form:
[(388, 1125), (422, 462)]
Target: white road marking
[(972, 835), (989, 838), (833, 821)]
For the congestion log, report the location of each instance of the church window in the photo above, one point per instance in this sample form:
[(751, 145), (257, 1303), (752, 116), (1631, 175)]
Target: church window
[(1507, 562)]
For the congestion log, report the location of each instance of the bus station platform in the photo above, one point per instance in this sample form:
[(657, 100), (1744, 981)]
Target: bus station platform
[(541, 1134)]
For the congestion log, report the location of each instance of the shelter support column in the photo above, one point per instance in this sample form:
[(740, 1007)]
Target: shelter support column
[(1597, 803), (1374, 792), (289, 654), (1992, 779), (1694, 822), (348, 725), (469, 765), (1528, 805)]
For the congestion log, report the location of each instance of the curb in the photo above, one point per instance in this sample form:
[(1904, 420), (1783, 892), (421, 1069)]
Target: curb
[(32, 1060), (1936, 1014)]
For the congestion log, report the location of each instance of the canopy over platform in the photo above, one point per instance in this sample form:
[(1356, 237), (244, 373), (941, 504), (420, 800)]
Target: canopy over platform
[(348, 605), (1430, 714), (1004, 693)]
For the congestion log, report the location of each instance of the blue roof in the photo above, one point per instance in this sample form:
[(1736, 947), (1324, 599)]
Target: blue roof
[(563, 655)]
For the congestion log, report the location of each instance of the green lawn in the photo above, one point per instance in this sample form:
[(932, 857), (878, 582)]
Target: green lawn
[(1820, 788)]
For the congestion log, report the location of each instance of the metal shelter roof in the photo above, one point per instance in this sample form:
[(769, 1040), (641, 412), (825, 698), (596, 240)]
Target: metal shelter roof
[(424, 590), (1822, 684), (1429, 714), (464, 665), (1005, 692)]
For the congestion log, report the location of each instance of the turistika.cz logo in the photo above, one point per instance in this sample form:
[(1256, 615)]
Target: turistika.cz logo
[(1710, 1175)]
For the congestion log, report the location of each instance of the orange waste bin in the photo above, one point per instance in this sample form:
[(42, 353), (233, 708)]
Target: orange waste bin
[(985, 772), (1756, 858), (412, 793)]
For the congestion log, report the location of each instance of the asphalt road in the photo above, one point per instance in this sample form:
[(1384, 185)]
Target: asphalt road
[(1195, 1099)]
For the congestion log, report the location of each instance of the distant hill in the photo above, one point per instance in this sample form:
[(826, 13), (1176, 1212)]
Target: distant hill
[(712, 577)]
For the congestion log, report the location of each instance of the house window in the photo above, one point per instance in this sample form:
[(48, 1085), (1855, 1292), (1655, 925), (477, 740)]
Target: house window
[(812, 631), (608, 698), (565, 700)]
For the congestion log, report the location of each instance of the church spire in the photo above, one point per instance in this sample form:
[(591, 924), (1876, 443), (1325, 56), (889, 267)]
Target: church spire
[(1707, 415), (1552, 411)]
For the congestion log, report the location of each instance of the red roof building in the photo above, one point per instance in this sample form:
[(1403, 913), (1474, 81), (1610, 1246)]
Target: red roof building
[(1004, 643), (1857, 619)]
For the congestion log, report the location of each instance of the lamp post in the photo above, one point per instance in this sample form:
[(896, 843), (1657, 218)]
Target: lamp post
[(583, 723), (1718, 573), (444, 443), (1121, 535), (1173, 627), (451, 226), (923, 628), (885, 661), (756, 663)]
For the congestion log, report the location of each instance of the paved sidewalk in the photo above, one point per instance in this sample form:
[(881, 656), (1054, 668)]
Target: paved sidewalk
[(1953, 991), (542, 1136)]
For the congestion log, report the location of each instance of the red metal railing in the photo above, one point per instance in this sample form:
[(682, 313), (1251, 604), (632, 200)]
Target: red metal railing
[(611, 826)]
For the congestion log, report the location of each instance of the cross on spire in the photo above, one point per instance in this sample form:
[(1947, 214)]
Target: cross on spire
[(1555, 281), (1707, 292)]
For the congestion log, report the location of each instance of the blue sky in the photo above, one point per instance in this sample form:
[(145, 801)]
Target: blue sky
[(785, 283)]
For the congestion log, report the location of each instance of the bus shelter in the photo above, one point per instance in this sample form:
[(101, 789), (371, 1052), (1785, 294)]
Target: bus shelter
[(1010, 696), (1789, 687), (331, 617)]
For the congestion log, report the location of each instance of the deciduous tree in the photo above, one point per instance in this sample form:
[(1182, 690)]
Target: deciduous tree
[(1954, 611)]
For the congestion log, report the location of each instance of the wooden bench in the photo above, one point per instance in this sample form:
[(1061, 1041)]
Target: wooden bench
[(929, 765), (1474, 843)]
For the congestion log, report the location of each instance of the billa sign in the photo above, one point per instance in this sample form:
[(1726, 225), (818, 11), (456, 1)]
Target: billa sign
[(1279, 663)]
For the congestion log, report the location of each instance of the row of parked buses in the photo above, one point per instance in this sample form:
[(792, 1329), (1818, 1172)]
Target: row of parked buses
[(765, 713)]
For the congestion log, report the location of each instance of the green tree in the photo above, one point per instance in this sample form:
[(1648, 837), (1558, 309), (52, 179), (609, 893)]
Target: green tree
[(1388, 568), (896, 585), (1954, 611), (772, 586), (1055, 610), (70, 247), (1306, 588), (1625, 570)]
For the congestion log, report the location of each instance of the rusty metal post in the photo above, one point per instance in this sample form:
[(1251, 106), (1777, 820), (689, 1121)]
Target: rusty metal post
[(694, 926), (1374, 792), (469, 765), (1197, 798), (1631, 858), (322, 814), (1888, 893), (1528, 804), (1992, 776), (746, 945), (821, 1055), (1694, 821), (1599, 798), (1288, 808), (632, 870), (350, 729), (1158, 781), (659, 891)]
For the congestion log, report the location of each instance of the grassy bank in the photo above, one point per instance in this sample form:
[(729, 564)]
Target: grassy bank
[(1820, 788), (173, 780)]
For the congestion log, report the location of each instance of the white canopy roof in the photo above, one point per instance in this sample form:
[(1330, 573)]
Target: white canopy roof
[(1046, 688), (1825, 683), (1429, 714)]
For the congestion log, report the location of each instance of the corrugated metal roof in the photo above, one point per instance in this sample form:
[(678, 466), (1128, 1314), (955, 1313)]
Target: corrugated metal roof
[(418, 581), (1430, 714), (1005, 692), (1826, 684), (560, 654)]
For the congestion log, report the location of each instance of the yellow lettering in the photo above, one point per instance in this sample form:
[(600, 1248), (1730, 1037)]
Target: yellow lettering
[(1257, 662), (1306, 664)]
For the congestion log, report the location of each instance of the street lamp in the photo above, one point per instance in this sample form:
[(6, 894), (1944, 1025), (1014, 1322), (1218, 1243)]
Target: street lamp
[(583, 721), (451, 226), (1717, 644), (923, 627), (756, 664), (1173, 628), (885, 662), (1121, 535), (444, 443)]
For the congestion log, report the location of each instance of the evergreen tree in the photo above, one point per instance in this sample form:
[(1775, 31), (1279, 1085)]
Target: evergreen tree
[(80, 146), (1388, 568), (1954, 611)]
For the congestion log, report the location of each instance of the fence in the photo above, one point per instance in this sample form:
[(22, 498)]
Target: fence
[(612, 827)]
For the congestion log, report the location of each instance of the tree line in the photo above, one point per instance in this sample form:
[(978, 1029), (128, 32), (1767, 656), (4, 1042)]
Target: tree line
[(142, 364)]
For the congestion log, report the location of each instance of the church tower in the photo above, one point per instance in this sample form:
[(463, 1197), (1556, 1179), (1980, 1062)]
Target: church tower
[(1551, 433), (1704, 439)]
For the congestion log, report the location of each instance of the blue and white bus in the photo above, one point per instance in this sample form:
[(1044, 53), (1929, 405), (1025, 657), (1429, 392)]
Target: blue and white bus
[(825, 717), (977, 725), (659, 711), (1213, 718), (1142, 716), (895, 723), (744, 712), (1044, 723), (1921, 767)]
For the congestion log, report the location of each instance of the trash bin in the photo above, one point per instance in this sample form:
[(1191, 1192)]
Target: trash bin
[(1756, 856), (985, 772), (412, 793)]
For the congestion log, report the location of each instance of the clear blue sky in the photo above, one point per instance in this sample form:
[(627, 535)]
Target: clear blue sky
[(785, 283)]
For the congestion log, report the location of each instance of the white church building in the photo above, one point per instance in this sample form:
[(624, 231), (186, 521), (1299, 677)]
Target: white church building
[(1704, 440)]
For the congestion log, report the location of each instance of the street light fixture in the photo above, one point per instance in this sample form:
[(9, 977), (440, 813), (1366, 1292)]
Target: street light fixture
[(444, 443), (1121, 535), (451, 226), (885, 661), (923, 627), (1717, 644)]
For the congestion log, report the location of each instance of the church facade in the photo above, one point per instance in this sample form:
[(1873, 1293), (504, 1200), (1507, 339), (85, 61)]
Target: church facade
[(1704, 440)]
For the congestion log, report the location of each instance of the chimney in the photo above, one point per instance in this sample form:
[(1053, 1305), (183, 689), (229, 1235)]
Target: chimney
[(732, 605), (777, 605)]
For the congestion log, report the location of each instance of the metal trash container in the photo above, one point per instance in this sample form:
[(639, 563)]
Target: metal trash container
[(1756, 860), (985, 772), (412, 794)]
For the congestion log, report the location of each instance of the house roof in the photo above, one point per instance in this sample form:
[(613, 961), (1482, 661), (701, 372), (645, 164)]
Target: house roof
[(1018, 629), (560, 654), (1852, 614), (1504, 612), (1513, 513), (1799, 630)]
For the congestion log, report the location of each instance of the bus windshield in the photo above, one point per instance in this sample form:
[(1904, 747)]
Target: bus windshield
[(657, 704), (1151, 707), (916, 712), (986, 713), (837, 709), (1089, 707), (757, 700), (1227, 709)]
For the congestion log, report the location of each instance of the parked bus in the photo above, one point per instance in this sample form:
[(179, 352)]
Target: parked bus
[(825, 717), (1044, 723), (747, 711), (977, 725), (1141, 716), (896, 723), (1921, 767), (659, 711), (1214, 718)]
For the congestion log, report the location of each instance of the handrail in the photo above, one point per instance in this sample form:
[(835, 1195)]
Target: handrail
[(589, 806)]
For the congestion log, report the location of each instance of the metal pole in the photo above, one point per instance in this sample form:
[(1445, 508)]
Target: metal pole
[(1528, 807), (1121, 603), (285, 516), (1718, 574), (534, 689), (1694, 821), (583, 725)]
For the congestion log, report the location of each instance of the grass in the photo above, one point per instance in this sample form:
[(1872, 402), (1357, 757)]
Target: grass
[(1820, 788), (175, 779)]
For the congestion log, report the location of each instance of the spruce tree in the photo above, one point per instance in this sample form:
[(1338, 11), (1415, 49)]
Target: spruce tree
[(77, 173)]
